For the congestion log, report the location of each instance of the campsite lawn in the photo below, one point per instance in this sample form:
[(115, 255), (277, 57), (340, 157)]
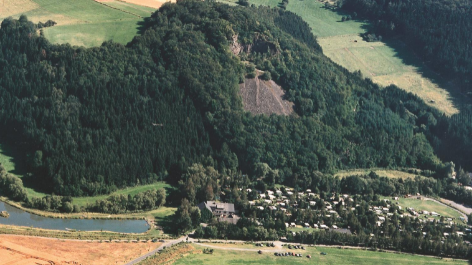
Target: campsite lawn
[(428, 205), (82, 22), (334, 256)]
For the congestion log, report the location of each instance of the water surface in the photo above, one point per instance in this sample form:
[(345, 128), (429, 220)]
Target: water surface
[(21, 218)]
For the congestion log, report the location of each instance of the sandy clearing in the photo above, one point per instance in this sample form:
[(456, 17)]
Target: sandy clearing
[(25, 250), (148, 3)]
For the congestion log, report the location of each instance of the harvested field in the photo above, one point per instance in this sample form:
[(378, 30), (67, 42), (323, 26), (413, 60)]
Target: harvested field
[(264, 97), (149, 3), (35, 250), (13, 7)]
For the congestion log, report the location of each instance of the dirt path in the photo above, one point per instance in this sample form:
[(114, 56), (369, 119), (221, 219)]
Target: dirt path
[(155, 251)]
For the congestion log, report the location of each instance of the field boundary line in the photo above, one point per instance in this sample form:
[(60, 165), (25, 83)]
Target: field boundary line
[(124, 11)]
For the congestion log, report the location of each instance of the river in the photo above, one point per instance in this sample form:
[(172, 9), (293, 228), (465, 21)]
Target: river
[(21, 218)]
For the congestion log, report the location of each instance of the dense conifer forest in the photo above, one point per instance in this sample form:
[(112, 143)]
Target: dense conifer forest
[(93, 120)]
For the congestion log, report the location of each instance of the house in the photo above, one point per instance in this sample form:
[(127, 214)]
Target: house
[(381, 219), (289, 193), (395, 198), (292, 225), (224, 212), (311, 194), (262, 196), (312, 203), (268, 201), (260, 208), (324, 227), (271, 197), (286, 225), (272, 208), (308, 191), (219, 209), (269, 192), (446, 234), (278, 192), (252, 203), (315, 226), (248, 190), (334, 226), (307, 225)]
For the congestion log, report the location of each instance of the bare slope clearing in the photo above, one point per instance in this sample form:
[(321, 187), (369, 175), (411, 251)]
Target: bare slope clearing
[(264, 97), (34, 250)]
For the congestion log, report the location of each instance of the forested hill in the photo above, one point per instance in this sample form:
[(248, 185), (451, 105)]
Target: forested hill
[(105, 117)]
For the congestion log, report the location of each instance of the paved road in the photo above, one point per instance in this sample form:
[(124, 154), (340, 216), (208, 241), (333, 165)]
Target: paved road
[(153, 252), (454, 206)]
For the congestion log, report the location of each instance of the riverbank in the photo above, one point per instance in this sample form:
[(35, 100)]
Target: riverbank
[(148, 216), (82, 235)]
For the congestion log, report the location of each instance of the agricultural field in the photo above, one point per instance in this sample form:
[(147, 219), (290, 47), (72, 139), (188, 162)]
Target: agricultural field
[(34, 250), (381, 172), (334, 256), (82, 22), (385, 63)]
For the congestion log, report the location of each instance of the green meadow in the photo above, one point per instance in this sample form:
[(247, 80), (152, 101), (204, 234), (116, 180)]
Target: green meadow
[(334, 256), (82, 22)]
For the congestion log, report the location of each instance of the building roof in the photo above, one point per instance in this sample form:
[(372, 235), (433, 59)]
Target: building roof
[(217, 206)]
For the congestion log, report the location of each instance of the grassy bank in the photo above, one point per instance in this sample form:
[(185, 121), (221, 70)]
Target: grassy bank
[(82, 235)]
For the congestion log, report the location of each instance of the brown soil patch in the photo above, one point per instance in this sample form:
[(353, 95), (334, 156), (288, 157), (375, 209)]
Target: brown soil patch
[(264, 97), (35, 250), (148, 3)]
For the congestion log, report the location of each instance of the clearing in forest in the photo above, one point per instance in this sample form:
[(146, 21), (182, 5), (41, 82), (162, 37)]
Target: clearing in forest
[(264, 97), (381, 172), (386, 63), (81, 22)]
